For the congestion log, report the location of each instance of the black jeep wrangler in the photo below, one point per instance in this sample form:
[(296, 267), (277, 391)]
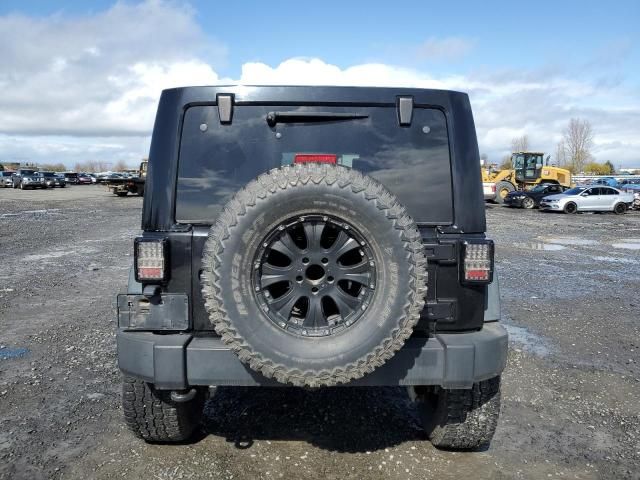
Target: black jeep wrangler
[(313, 236)]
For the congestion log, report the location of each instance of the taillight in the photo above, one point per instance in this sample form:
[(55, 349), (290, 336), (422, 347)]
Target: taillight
[(315, 158), (493, 188), (477, 261), (151, 259)]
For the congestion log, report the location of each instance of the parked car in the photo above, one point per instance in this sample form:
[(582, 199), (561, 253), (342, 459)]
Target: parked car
[(608, 181), (6, 179), (84, 179), (107, 177), (489, 190), (53, 180), (630, 185), (531, 198), (25, 178), (588, 199), (62, 179), (71, 177)]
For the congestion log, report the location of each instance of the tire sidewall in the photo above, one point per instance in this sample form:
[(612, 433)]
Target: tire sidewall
[(237, 292)]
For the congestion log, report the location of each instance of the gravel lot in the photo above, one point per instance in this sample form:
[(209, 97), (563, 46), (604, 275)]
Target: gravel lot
[(571, 391)]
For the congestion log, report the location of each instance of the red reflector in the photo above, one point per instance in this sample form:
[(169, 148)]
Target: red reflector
[(477, 275), (150, 272), (315, 158)]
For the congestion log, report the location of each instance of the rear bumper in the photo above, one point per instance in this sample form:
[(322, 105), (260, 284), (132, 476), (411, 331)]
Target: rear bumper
[(179, 361)]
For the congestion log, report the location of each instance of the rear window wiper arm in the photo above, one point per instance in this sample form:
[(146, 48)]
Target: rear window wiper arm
[(299, 117)]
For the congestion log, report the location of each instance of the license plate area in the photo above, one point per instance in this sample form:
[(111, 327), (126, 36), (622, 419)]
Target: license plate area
[(160, 312)]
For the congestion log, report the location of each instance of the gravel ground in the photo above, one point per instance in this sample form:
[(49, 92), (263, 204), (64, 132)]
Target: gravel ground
[(571, 391)]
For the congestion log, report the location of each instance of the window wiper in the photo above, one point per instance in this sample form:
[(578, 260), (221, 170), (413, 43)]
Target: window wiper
[(274, 118)]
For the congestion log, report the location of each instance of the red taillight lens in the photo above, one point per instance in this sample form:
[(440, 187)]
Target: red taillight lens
[(493, 188), (150, 260), (477, 261), (315, 158)]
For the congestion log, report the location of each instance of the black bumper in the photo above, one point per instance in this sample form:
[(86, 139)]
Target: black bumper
[(178, 361)]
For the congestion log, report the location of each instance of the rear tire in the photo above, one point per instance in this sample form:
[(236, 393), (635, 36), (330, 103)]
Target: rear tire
[(460, 419), (502, 190), (620, 208), (570, 208), (154, 417)]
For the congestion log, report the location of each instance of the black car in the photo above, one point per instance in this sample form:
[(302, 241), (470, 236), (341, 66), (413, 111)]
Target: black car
[(531, 198), (52, 179), (336, 237), (71, 177)]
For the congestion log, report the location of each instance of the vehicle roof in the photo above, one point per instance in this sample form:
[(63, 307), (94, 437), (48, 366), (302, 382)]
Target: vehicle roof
[(307, 94), (530, 153)]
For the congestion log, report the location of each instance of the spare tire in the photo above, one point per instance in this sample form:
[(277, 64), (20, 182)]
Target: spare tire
[(314, 274)]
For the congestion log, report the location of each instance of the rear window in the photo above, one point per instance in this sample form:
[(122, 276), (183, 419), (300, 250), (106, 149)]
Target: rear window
[(217, 160)]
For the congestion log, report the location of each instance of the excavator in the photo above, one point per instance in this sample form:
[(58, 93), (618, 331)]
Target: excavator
[(528, 169)]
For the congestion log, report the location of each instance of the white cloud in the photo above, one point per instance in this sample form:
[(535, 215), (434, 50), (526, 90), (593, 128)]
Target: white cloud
[(86, 88)]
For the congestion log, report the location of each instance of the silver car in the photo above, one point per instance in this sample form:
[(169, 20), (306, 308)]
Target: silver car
[(588, 199), (6, 180)]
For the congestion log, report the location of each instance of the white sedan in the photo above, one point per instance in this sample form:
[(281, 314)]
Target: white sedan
[(588, 199)]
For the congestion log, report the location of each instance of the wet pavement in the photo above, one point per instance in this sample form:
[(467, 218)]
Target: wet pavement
[(571, 390)]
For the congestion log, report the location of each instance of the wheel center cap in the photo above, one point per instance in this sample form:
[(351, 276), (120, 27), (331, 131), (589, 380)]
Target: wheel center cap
[(314, 273)]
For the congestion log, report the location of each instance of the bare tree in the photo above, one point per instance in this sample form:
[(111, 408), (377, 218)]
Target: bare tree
[(120, 166), (561, 154), (506, 163), (520, 144), (578, 139), (52, 167)]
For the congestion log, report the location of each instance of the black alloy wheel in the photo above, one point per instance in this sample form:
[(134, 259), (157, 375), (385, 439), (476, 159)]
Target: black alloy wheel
[(314, 275)]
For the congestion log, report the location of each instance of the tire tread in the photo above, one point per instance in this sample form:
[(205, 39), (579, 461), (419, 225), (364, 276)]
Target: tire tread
[(287, 177), (154, 417), (467, 419)]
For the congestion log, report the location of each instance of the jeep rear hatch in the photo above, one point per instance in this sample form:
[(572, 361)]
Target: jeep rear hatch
[(217, 159)]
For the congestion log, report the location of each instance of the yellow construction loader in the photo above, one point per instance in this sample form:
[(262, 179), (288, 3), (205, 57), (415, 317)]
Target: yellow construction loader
[(527, 170)]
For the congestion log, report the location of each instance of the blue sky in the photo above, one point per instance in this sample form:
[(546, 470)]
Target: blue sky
[(529, 67), (502, 33)]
